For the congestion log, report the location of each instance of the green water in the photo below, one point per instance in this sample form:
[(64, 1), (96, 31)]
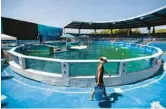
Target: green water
[(93, 51), (96, 51)]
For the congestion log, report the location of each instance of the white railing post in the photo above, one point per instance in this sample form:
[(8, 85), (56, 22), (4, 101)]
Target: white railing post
[(152, 62), (22, 62), (120, 68), (10, 56), (65, 69), (160, 57), (123, 68)]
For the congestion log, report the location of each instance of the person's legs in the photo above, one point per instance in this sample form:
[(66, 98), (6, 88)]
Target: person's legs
[(105, 94), (41, 41), (92, 96), (93, 93)]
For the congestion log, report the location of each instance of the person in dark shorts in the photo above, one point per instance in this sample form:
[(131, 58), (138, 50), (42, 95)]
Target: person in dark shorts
[(99, 77), (40, 37)]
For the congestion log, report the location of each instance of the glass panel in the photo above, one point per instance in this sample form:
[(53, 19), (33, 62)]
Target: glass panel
[(15, 59), (37, 47), (46, 66), (112, 68), (139, 65), (90, 69), (37, 50), (82, 69)]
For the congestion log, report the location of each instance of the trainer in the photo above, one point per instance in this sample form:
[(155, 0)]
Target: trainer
[(99, 77)]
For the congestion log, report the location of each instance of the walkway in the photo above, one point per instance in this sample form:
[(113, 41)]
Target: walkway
[(25, 93)]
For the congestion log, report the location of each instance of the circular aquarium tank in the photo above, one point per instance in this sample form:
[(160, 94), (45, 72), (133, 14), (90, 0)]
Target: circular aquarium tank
[(123, 59)]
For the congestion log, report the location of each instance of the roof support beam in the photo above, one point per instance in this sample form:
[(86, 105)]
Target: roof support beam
[(153, 31), (63, 30), (129, 32), (79, 30), (149, 30), (110, 25), (81, 25), (94, 26), (111, 32), (95, 32)]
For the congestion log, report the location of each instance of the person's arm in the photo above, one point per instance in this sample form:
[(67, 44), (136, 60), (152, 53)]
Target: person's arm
[(107, 73), (38, 36)]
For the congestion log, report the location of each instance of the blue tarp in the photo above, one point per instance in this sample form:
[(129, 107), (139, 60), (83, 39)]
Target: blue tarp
[(49, 33)]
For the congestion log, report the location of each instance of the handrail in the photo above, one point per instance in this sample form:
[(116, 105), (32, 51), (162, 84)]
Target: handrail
[(160, 52)]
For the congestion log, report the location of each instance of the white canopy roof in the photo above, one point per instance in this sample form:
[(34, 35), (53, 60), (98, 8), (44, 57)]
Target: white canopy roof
[(7, 37)]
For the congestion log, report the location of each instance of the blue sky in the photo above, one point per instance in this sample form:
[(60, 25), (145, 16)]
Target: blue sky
[(61, 12)]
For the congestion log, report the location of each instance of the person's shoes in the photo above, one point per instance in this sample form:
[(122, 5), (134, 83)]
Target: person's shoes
[(107, 98), (91, 99), (112, 99)]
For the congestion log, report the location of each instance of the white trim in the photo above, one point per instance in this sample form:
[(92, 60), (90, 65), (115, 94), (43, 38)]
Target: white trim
[(105, 76), (7, 37), (43, 73)]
